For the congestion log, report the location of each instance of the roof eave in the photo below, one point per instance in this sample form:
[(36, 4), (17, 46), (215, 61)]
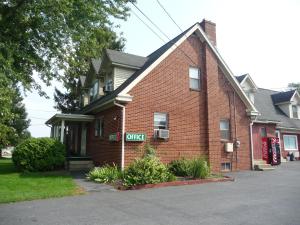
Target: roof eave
[(125, 66), (69, 117)]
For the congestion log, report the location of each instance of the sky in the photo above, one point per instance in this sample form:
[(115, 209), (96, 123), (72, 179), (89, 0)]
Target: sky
[(253, 36)]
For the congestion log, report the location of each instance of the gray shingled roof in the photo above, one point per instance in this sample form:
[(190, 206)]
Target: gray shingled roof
[(283, 96), (96, 64), (125, 58), (241, 78), (264, 104)]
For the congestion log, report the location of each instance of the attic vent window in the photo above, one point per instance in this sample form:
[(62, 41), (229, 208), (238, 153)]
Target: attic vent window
[(295, 111)]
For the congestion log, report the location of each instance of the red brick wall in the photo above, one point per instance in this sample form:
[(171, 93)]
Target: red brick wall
[(101, 149), (193, 115), (283, 151), (257, 143)]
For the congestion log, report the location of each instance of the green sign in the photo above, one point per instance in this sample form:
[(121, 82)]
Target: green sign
[(114, 137), (135, 137)]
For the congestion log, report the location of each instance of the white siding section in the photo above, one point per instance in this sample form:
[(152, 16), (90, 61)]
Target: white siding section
[(249, 89), (120, 75), (286, 108)]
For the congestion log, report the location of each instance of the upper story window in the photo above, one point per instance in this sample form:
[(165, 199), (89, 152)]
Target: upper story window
[(194, 75), (108, 85), (94, 91), (99, 127), (263, 132), (295, 111), (160, 121), (225, 129)]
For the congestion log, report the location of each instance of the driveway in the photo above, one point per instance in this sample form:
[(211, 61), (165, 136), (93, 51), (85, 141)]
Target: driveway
[(271, 197)]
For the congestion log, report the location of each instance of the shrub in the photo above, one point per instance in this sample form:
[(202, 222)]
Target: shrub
[(199, 168), (180, 167), (148, 170), (39, 154), (196, 168), (105, 174)]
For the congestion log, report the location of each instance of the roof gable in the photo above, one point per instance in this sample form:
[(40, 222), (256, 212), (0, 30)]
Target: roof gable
[(283, 97), (246, 79), (241, 78), (160, 54), (271, 112), (125, 59)]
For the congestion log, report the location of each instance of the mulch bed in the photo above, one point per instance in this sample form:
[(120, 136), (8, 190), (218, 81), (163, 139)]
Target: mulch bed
[(174, 183)]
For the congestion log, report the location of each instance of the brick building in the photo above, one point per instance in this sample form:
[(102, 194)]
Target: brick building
[(182, 99), (279, 116)]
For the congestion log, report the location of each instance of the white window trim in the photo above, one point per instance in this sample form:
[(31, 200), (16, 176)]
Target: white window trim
[(297, 111), (167, 119), (229, 129), (198, 79), (288, 149)]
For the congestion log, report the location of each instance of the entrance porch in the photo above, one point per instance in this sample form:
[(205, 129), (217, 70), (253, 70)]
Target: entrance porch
[(71, 130)]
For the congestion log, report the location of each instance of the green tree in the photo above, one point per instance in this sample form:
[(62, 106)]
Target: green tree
[(20, 122), (13, 121), (6, 115), (68, 101), (45, 37), (294, 86)]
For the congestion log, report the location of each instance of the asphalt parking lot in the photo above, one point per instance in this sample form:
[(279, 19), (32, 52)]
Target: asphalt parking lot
[(271, 197)]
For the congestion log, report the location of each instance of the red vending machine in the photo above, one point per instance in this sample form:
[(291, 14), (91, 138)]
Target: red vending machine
[(274, 157)]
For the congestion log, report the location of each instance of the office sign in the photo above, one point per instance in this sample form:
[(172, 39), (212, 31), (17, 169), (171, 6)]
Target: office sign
[(135, 137), (114, 137)]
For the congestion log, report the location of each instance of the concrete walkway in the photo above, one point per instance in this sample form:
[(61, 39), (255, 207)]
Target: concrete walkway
[(255, 198), (88, 186)]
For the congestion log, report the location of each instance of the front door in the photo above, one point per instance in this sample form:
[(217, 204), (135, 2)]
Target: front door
[(83, 140)]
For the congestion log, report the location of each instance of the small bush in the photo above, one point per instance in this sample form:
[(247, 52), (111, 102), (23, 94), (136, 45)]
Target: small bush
[(196, 168), (105, 174), (148, 170), (180, 167), (39, 154), (199, 168)]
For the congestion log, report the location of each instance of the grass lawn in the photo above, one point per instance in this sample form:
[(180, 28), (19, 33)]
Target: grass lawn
[(16, 186)]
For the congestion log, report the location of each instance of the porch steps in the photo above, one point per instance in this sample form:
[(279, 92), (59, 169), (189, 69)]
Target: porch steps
[(79, 165), (261, 165), (283, 160)]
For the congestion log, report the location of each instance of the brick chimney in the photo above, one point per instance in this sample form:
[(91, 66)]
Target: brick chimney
[(210, 30)]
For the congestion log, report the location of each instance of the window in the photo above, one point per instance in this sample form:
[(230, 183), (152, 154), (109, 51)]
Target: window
[(224, 128), (226, 166), (160, 121), (99, 127), (94, 91), (263, 132), (290, 142), (295, 111), (194, 75)]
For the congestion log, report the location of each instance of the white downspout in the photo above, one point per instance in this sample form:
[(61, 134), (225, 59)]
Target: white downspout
[(251, 145), (123, 135)]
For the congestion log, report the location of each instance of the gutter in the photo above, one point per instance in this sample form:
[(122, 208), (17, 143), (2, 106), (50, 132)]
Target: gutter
[(251, 145), (123, 134), (286, 128)]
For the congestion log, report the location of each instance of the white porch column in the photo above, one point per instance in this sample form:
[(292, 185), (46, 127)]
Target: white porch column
[(62, 131), (52, 132), (55, 132)]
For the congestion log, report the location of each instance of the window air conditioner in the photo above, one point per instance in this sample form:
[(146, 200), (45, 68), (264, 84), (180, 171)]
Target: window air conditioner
[(108, 88), (161, 133), (228, 147)]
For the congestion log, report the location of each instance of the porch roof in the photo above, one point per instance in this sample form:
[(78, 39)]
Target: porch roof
[(70, 117)]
